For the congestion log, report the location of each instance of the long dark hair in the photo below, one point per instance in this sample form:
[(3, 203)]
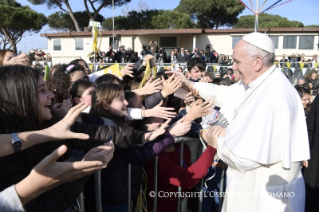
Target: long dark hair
[(19, 99)]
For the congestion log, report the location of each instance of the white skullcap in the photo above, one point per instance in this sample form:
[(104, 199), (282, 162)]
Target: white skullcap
[(261, 41)]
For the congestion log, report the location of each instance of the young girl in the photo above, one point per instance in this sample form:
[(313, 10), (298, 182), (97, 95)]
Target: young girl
[(81, 91), (108, 102), (25, 106), (64, 77)]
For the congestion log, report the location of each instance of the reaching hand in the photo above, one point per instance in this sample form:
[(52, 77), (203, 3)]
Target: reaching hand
[(199, 109), (103, 153), (180, 128), (148, 57), (212, 134), (206, 79), (189, 99), (127, 70), (21, 59), (61, 109), (152, 86), (304, 163), (61, 130), (151, 136), (160, 112), (181, 77), (195, 93), (170, 85), (49, 174)]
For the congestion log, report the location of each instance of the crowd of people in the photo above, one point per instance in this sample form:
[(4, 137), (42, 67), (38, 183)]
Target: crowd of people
[(177, 55), (57, 131)]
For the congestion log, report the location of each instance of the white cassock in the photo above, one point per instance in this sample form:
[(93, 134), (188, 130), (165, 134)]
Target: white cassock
[(264, 144)]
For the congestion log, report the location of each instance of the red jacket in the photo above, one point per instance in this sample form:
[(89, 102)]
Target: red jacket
[(171, 175)]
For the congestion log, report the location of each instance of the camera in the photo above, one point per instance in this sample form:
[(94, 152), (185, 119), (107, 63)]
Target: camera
[(207, 48)]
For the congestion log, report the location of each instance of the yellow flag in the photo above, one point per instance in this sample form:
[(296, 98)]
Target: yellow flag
[(288, 65), (147, 74), (91, 67), (214, 67), (316, 64), (275, 63), (302, 65), (115, 70), (154, 72)]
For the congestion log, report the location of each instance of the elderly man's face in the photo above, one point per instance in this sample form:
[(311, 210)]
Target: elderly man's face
[(244, 63)]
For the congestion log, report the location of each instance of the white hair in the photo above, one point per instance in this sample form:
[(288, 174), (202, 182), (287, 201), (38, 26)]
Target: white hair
[(268, 57)]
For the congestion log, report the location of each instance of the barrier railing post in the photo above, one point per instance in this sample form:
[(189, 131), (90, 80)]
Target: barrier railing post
[(200, 203), (181, 153), (155, 184), (221, 198), (129, 187), (98, 198), (81, 202)]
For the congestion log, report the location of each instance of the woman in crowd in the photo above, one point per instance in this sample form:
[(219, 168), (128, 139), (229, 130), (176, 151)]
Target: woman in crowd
[(313, 82), (25, 106), (48, 173), (305, 98)]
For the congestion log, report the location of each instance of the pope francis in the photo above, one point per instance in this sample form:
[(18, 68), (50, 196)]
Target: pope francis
[(266, 138)]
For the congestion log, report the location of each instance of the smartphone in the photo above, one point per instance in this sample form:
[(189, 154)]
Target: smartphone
[(181, 93)]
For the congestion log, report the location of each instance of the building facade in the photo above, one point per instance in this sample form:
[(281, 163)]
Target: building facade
[(65, 47)]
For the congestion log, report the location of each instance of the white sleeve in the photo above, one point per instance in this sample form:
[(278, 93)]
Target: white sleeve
[(10, 201), (134, 113), (216, 93), (233, 161)]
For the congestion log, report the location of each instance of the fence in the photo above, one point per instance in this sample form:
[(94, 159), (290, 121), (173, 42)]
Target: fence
[(194, 147)]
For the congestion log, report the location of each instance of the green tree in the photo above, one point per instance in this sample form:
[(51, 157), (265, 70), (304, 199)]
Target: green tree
[(97, 5), (63, 22), (51, 4), (312, 26), (211, 13), (16, 20), (266, 21), (167, 19), (134, 20)]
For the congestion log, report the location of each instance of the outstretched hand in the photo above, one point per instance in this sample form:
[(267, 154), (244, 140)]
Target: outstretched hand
[(49, 174), (212, 134), (151, 136), (180, 128), (170, 85), (61, 130), (160, 112), (127, 70)]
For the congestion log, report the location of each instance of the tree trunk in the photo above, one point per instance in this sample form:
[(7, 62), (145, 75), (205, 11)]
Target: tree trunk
[(66, 2)]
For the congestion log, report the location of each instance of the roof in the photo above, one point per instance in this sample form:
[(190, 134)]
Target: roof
[(182, 31)]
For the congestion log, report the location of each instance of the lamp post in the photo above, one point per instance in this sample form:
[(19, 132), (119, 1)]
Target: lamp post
[(256, 16)]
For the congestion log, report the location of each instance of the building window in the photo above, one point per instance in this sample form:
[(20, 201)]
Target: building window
[(57, 45), (78, 43), (274, 40), (290, 42), (235, 41), (306, 42), (168, 42)]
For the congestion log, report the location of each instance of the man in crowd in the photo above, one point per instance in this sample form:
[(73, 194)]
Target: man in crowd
[(111, 55), (151, 48), (121, 54), (182, 57), (196, 69), (266, 138), (195, 53)]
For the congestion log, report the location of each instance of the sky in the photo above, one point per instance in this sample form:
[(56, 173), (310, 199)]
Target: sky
[(305, 11)]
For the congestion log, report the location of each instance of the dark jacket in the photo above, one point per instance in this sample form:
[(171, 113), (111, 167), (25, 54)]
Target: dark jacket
[(112, 56), (152, 100), (182, 59), (310, 174), (114, 177), (17, 166), (315, 86)]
